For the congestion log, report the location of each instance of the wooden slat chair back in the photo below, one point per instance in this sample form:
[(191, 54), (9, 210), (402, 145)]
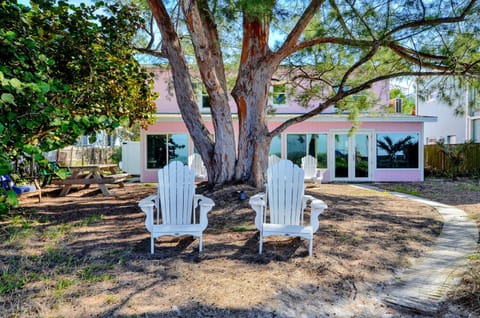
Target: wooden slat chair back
[(281, 210), (309, 165), (272, 160), (176, 187), (285, 193), (172, 211), (195, 162)]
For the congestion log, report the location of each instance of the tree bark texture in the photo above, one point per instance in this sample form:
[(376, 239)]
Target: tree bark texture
[(209, 59), (251, 93), (218, 155)]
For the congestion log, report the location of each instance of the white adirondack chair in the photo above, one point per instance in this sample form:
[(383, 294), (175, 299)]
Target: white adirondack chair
[(273, 159), (172, 210), (286, 205), (309, 165), (195, 162)]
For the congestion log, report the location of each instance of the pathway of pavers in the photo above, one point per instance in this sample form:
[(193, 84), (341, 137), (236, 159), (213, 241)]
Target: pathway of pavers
[(423, 286)]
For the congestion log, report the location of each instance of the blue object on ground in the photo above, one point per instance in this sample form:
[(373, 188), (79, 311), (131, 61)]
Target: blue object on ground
[(24, 188), (7, 183)]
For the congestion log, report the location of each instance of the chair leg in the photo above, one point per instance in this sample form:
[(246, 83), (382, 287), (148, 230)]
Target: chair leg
[(200, 243), (152, 244), (310, 247), (260, 244)]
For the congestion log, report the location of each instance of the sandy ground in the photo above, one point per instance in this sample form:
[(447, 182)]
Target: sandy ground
[(87, 255)]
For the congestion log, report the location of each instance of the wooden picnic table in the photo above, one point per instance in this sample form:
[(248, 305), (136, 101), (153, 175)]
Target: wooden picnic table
[(101, 175)]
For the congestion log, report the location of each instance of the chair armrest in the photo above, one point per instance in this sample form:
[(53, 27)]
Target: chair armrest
[(258, 198), (148, 205), (206, 205), (148, 202), (307, 198), (203, 201), (258, 204), (318, 206)]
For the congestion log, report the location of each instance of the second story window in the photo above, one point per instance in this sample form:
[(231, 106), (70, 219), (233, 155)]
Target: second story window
[(473, 102), (203, 99), (279, 95)]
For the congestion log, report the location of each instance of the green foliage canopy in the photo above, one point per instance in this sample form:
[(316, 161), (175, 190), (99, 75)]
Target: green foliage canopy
[(67, 71)]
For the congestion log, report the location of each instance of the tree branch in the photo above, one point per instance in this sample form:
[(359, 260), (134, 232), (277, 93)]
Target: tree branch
[(340, 18), (205, 40), (360, 62), (152, 52), (415, 57), (342, 94), (182, 80), (297, 31), (290, 45), (432, 22), (362, 20)]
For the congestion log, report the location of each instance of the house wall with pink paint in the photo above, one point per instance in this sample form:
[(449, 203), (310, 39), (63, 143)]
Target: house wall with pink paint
[(167, 103), (384, 147)]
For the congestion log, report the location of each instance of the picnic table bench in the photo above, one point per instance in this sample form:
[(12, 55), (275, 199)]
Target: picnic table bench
[(92, 174)]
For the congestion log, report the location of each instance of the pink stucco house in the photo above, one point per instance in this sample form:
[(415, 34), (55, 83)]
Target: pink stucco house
[(385, 147)]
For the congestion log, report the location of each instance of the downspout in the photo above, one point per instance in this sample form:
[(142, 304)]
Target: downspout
[(467, 115), (415, 107), (422, 153)]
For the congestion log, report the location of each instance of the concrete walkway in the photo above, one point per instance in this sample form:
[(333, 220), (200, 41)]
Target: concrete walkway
[(423, 286)]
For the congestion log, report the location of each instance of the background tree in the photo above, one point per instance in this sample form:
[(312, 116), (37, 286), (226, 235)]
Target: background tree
[(455, 155), (408, 105), (333, 48), (67, 71)]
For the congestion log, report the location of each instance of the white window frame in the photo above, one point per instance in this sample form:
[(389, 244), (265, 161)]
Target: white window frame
[(200, 93), (273, 94)]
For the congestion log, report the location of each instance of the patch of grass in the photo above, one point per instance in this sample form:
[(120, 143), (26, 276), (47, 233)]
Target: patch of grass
[(11, 280), (468, 187), (472, 284), (119, 256), (91, 219), (19, 234), (57, 232), (43, 220), (58, 257), (111, 299), (62, 285), (405, 189), (437, 227), (20, 229), (475, 257), (347, 236), (243, 228), (474, 216), (90, 274)]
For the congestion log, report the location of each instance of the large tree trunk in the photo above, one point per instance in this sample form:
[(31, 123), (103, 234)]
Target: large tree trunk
[(251, 95), (257, 65), (218, 155), (209, 58)]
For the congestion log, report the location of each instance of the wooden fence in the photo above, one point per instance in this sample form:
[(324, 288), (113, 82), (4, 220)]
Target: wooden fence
[(79, 156), (463, 162)]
